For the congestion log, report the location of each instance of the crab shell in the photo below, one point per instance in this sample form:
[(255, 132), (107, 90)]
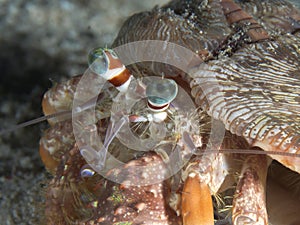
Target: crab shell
[(252, 48), (257, 73)]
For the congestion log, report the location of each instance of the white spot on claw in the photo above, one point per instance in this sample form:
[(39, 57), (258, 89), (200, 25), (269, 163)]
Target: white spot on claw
[(140, 206)]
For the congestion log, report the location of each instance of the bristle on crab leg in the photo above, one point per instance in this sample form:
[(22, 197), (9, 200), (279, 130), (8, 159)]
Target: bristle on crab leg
[(196, 202), (249, 204)]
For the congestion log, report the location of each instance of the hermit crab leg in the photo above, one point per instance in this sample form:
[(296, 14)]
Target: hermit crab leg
[(235, 14), (112, 131), (204, 177), (249, 204), (196, 202)]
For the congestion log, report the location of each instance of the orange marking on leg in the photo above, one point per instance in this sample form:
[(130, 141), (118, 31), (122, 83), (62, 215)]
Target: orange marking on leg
[(196, 205)]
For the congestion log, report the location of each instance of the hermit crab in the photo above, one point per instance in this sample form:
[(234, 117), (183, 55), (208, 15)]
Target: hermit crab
[(149, 143)]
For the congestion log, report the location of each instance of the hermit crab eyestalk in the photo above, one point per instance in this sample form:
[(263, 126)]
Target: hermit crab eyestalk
[(160, 92), (106, 63)]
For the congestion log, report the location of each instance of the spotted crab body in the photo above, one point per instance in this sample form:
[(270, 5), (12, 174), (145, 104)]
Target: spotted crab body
[(252, 49)]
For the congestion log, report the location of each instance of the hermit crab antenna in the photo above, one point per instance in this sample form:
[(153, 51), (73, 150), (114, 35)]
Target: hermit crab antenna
[(35, 121), (67, 114), (187, 139)]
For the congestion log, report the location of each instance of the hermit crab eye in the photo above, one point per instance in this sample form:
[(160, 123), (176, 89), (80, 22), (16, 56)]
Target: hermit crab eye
[(160, 93), (97, 61)]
